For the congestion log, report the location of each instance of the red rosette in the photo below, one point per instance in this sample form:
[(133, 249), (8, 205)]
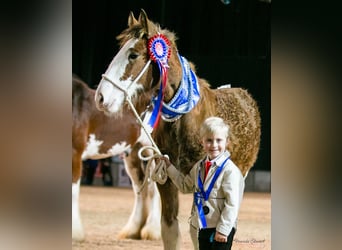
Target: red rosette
[(159, 48)]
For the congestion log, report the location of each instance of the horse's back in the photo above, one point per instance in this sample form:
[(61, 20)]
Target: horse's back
[(237, 100), (82, 100), (238, 108)]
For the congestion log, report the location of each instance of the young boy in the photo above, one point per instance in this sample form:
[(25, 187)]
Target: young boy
[(217, 184)]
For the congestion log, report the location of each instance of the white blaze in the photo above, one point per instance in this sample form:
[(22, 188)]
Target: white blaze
[(113, 98)]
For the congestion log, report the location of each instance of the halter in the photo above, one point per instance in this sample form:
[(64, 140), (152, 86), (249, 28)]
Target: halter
[(159, 52), (125, 91), (135, 80)]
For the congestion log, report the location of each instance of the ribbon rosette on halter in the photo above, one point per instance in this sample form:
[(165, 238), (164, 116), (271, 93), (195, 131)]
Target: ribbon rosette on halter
[(159, 52)]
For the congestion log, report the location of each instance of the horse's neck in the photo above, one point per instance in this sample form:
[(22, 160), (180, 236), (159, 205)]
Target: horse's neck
[(174, 77), (142, 105), (171, 89)]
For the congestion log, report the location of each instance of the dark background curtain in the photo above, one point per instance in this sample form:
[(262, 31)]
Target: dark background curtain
[(229, 44)]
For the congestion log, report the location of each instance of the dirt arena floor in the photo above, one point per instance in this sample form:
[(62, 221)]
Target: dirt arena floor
[(105, 210)]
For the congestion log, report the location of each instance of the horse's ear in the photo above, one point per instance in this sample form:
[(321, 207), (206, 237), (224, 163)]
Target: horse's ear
[(131, 19), (146, 23)]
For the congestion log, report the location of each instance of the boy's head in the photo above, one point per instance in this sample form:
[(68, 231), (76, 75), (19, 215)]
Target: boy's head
[(214, 135), (214, 125)]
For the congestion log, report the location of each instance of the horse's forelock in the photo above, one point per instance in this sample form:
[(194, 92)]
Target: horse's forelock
[(137, 31)]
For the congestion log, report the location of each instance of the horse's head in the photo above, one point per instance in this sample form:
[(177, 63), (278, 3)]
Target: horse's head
[(132, 73)]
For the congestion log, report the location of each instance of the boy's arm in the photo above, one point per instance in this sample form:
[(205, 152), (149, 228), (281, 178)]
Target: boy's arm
[(185, 183), (233, 186)]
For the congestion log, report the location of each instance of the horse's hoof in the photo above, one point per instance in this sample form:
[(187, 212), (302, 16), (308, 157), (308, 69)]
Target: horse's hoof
[(78, 236), (77, 230), (148, 233), (127, 235)]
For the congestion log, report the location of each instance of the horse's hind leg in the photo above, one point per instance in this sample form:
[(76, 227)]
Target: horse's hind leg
[(77, 229), (169, 222)]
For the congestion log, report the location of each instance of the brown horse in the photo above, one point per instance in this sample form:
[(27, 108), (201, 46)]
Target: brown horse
[(149, 69), (97, 136)]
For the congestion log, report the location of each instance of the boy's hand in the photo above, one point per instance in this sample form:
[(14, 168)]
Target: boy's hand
[(165, 158), (220, 237)]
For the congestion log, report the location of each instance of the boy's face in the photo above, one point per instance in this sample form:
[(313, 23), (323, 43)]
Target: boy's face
[(214, 144)]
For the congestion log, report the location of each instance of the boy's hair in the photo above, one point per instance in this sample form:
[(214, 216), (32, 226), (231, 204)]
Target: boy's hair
[(213, 125)]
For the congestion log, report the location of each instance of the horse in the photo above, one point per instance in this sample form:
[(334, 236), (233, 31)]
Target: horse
[(97, 136), (149, 73)]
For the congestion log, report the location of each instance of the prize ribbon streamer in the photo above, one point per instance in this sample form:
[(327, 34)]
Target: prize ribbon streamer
[(159, 52)]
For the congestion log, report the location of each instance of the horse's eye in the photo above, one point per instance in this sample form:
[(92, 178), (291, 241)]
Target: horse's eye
[(132, 56)]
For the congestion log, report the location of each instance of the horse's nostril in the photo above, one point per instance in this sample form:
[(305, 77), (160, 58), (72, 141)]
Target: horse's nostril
[(100, 98)]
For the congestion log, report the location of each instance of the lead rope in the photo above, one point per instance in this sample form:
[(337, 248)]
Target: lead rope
[(158, 172)]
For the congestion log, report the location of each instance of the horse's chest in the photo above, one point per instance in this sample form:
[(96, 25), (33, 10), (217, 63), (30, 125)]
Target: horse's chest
[(97, 148)]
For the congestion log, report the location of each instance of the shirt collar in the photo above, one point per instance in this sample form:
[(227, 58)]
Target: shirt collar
[(219, 159)]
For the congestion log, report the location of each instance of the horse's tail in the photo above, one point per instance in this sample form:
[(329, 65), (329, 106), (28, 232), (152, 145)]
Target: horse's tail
[(238, 108)]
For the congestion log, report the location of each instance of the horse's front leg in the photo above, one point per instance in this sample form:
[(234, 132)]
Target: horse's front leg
[(138, 215), (170, 228), (144, 221), (137, 218), (151, 229)]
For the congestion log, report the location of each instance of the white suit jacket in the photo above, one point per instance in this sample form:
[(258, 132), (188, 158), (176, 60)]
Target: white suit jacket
[(225, 198)]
